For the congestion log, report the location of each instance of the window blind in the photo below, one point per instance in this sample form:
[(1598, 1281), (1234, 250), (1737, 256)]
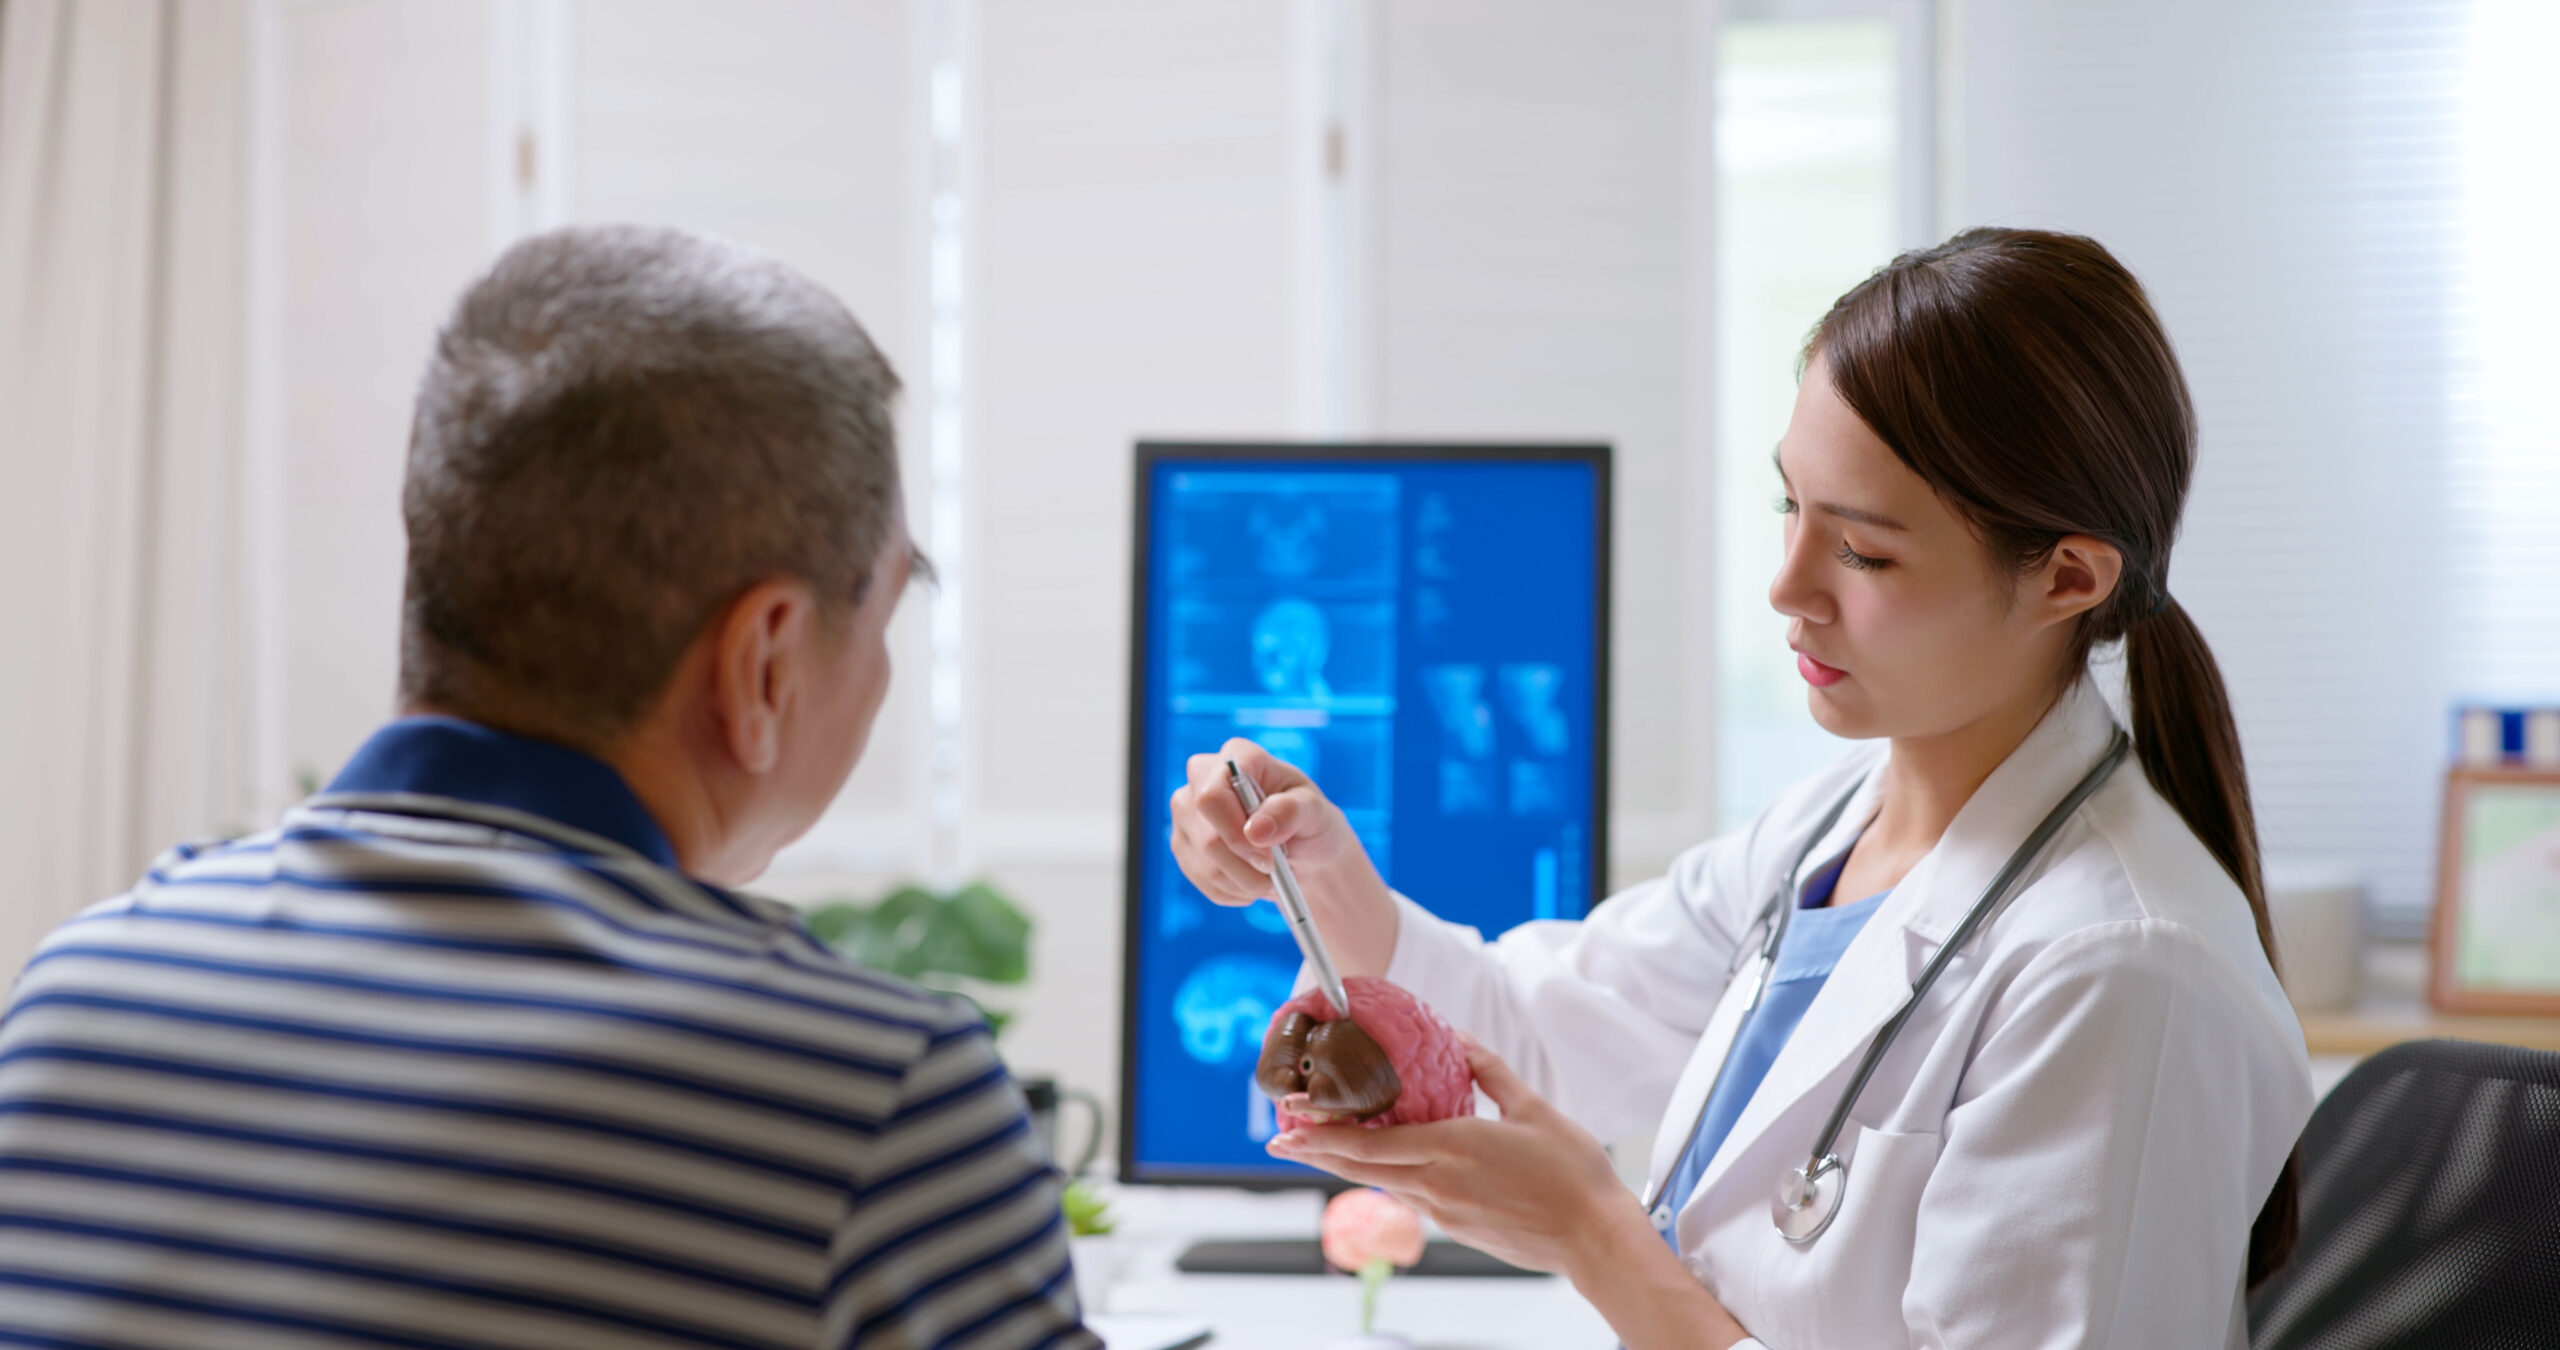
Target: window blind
[(2284, 177)]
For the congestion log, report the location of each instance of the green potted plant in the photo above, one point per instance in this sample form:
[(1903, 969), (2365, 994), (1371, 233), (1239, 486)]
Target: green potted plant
[(958, 941), (1091, 1248)]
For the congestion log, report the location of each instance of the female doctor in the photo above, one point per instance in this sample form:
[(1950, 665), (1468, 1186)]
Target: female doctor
[(2078, 1131)]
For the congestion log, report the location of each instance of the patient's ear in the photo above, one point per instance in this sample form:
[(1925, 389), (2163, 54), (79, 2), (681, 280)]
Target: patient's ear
[(760, 658)]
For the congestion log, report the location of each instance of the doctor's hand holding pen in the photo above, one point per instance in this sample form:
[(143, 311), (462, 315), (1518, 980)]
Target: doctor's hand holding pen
[(1228, 856), (1531, 1186)]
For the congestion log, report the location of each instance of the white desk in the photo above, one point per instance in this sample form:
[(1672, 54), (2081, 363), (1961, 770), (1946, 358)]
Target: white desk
[(1275, 1312)]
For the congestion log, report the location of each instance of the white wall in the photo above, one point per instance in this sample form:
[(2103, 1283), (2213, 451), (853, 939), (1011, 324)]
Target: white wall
[(381, 206)]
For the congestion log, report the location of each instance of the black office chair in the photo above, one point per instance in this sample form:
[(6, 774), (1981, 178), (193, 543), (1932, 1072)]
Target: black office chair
[(2430, 1208)]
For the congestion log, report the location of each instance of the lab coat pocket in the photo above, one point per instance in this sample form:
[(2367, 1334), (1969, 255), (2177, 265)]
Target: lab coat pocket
[(1881, 1204), (1868, 1246)]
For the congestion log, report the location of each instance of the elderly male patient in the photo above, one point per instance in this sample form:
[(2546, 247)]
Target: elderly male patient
[(475, 1049)]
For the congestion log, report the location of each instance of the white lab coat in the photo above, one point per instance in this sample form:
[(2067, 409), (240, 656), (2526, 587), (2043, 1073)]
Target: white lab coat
[(2066, 1145)]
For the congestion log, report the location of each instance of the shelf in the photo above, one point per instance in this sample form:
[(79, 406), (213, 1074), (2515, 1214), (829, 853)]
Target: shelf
[(2369, 1029), (2394, 1009)]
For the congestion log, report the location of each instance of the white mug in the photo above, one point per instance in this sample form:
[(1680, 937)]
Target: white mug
[(2318, 911)]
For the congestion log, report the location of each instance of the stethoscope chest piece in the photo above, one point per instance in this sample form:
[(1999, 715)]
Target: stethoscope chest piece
[(1808, 1197)]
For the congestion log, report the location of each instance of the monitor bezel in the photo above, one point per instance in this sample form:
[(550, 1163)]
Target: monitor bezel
[(1597, 455)]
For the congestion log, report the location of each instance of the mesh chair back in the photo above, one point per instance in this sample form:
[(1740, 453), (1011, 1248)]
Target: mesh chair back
[(2430, 1208)]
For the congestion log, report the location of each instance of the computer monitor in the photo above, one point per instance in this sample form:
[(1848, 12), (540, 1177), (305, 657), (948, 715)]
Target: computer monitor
[(1424, 629)]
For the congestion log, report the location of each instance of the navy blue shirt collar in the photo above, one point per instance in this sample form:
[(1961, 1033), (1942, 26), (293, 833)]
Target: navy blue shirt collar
[(449, 757)]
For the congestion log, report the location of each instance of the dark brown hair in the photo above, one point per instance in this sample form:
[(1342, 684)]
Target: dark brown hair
[(2023, 375), (621, 429)]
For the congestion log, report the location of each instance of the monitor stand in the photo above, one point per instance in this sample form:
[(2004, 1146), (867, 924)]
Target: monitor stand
[(1302, 1256)]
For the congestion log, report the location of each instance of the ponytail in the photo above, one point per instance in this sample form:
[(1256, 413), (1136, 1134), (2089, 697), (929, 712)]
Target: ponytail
[(2025, 377), (2189, 746)]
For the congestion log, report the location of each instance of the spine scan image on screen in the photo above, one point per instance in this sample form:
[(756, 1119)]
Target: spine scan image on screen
[(1421, 636)]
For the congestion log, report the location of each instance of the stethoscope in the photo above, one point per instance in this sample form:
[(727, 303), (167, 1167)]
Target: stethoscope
[(1809, 1196)]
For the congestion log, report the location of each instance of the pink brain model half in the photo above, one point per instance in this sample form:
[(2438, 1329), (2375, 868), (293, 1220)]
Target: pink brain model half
[(1429, 1080)]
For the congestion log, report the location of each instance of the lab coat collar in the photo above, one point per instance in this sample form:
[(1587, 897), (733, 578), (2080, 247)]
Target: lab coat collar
[(1874, 976), (2003, 811)]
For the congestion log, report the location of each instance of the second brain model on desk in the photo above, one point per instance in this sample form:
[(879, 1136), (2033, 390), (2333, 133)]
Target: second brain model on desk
[(1393, 1061)]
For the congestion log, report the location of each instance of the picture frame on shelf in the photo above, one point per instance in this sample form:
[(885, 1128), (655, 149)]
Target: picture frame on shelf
[(2495, 944)]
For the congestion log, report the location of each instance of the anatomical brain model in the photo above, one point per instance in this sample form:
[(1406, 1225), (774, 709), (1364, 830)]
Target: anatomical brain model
[(1391, 1062)]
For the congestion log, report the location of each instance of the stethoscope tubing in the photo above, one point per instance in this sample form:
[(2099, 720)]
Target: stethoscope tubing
[(1774, 916), (1994, 898)]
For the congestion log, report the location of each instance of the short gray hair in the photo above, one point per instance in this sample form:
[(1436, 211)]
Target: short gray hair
[(621, 429)]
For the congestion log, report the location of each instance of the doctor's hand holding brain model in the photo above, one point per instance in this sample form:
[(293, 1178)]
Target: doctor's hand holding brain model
[(1970, 1039)]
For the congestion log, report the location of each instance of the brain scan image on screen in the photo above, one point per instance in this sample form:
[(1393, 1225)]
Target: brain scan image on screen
[(1290, 643), (1529, 694), (1276, 530), (1467, 787), (1468, 775), (1288, 537), (1457, 699), (1225, 1004), (1537, 788), (1247, 650)]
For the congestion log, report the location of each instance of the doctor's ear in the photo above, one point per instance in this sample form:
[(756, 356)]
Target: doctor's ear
[(2078, 576)]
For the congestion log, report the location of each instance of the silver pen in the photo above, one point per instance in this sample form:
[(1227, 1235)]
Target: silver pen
[(1293, 903)]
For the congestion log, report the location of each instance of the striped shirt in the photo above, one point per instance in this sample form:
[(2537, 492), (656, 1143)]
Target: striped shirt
[(455, 1057)]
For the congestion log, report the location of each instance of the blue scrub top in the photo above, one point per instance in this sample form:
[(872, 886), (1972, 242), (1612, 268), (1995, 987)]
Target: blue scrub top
[(1813, 944)]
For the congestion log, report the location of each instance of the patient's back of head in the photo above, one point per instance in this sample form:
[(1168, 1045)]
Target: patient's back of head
[(620, 428)]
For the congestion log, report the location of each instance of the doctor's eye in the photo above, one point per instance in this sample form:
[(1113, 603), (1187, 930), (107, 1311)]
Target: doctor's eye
[(1851, 558), (1783, 504)]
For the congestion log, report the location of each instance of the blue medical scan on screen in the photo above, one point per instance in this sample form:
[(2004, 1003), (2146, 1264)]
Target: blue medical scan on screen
[(1422, 637)]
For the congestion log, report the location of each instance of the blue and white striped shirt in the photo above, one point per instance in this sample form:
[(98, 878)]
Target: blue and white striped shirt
[(455, 1058)]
